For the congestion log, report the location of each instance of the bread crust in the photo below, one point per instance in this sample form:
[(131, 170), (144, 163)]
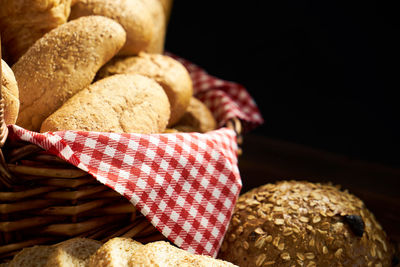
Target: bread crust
[(301, 223), (126, 103), (169, 73), (63, 62), (25, 21), (10, 94), (133, 15)]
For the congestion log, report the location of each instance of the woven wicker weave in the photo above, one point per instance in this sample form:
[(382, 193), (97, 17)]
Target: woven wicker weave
[(44, 199)]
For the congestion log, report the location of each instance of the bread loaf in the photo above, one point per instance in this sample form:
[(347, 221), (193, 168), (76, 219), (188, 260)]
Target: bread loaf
[(114, 253), (36, 256), (73, 253), (163, 254), (304, 224), (126, 103), (197, 118), (133, 15), (61, 63), (168, 72), (10, 93), (23, 22)]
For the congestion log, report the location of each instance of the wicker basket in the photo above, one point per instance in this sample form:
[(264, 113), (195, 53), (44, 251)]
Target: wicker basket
[(44, 199)]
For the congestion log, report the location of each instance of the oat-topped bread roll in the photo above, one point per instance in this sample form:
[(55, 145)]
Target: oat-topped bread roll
[(23, 22), (116, 252), (164, 254), (304, 224), (63, 62), (157, 12), (168, 72), (133, 15), (125, 103), (197, 118), (74, 252), (10, 94)]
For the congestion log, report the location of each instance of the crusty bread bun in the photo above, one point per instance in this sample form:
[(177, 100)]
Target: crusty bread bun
[(197, 118), (164, 254), (125, 103), (157, 12), (133, 15), (73, 253), (10, 93), (304, 224), (23, 22), (61, 63), (36, 256), (114, 253), (169, 73)]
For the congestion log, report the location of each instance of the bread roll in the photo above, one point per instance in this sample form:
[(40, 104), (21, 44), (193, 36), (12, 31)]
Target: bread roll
[(167, 6), (197, 118), (163, 254), (61, 63), (157, 12), (23, 22), (9, 90), (73, 253), (168, 72), (133, 15), (304, 224), (126, 103), (114, 253)]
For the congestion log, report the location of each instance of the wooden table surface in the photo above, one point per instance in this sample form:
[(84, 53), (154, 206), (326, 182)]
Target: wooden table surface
[(265, 160)]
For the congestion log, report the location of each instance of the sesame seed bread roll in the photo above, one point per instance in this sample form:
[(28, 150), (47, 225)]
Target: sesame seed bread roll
[(304, 224), (23, 22), (63, 62), (157, 12), (133, 16), (126, 103), (197, 118), (169, 73), (10, 94)]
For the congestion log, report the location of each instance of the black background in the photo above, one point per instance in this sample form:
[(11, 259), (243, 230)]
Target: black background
[(324, 73)]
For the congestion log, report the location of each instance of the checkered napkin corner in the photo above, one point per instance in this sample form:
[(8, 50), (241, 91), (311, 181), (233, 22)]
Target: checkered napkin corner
[(226, 100), (185, 184)]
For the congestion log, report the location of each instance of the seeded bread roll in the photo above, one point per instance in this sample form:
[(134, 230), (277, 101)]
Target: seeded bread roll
[(197, 118), (114, 253), (63, 62), (73, 253), (23, 22), (133, 15), (304, 224), (125, 103), (164, 254), (10, 94), (168, 72), (157, 12)]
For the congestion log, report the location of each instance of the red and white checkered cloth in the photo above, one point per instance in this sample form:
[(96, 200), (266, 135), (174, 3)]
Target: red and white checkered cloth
[(186, 184)]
